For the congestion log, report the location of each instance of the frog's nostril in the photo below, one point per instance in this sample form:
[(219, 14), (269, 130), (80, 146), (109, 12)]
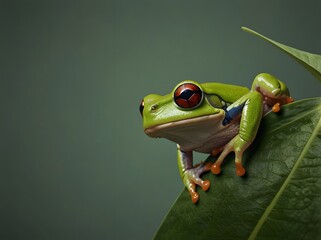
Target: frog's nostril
[(141, 107)]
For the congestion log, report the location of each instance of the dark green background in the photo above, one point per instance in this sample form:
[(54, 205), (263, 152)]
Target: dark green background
[(75, 163)]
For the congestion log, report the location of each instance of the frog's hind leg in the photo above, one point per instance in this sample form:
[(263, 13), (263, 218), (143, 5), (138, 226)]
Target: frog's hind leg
[(267, 93), (275, 93)]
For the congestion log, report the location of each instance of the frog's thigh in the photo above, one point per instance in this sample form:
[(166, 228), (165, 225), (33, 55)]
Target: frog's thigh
[(269, 83)]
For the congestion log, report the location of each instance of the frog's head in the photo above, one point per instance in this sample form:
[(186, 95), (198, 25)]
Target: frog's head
[(187, 101)]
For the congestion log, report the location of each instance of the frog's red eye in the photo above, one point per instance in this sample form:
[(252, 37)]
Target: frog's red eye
[(188, 95)]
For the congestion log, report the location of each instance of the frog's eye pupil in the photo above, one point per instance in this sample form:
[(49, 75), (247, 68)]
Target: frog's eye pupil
[(188, 95), (141, 107)]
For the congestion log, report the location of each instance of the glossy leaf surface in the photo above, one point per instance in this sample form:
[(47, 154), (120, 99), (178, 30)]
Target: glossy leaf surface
[(312, 62), (280, 196)]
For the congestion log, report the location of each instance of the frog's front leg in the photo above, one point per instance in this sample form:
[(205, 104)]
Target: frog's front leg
[(190, 174), (249, 109)]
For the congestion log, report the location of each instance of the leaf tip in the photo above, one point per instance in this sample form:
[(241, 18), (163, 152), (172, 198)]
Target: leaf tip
[(245, 29), (248, 30)]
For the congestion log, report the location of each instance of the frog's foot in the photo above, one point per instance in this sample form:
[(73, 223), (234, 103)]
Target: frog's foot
[(192, 178), (236, 145)]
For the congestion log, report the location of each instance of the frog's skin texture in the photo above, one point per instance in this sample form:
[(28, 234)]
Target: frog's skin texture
[(211, 118)]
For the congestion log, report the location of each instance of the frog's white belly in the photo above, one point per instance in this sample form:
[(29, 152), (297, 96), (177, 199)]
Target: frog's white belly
[(201, 134)]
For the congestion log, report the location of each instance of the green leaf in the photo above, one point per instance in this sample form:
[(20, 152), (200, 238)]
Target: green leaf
[(280, 196), (312, 62)]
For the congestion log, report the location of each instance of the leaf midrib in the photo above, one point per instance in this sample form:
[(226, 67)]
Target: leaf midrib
[(284, 185)]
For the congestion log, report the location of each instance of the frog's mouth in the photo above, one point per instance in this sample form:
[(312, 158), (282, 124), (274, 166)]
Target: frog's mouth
[(201, 134), (196, 126)]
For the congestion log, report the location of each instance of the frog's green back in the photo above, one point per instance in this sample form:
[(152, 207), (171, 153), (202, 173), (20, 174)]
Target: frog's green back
[(229, 93)]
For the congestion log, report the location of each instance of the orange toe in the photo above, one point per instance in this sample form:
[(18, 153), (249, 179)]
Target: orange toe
[(206, 185), (195, 197), (240, 170), (276, 107), (216, 168)]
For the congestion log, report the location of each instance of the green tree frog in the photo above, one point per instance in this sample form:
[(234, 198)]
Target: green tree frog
[(212, 118)]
